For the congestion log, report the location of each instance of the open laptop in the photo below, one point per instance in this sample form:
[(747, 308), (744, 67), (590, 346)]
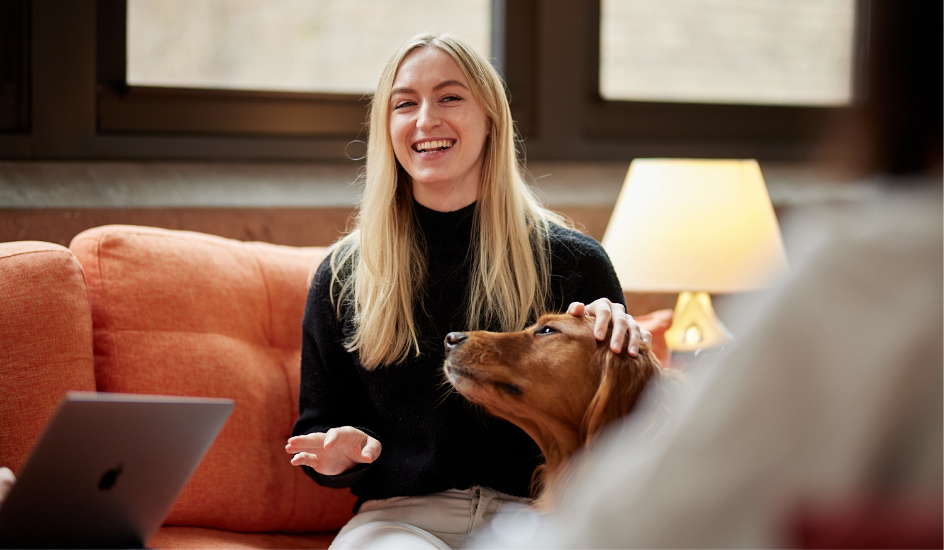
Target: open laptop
[(107, 469)]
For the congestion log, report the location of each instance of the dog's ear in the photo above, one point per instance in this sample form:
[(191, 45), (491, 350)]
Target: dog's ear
[(622, 379)]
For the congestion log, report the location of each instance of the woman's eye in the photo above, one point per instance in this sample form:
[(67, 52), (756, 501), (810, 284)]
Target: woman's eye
[(402, 104), (546, 330), (452, 98)]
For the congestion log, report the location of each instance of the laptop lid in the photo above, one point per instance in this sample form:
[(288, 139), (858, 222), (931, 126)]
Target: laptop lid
[(107, 469)]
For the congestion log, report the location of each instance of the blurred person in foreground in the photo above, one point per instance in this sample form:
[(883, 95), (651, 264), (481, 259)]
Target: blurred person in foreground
[(821, 426)]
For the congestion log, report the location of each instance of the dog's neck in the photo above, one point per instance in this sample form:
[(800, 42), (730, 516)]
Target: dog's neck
[(556, 443)]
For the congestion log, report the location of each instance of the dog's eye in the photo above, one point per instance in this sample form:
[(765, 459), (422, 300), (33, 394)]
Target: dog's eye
[(546, 329), (510, 389)]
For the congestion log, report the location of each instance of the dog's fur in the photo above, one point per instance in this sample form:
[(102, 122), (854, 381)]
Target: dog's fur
[(554, 380)]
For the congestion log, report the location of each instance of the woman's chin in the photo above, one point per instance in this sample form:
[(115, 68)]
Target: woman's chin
[(446, 195)]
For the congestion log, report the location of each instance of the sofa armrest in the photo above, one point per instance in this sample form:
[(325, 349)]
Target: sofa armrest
[(45, 340)]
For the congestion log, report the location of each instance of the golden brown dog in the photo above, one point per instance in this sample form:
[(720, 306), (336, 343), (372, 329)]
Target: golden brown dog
[(554, 380)]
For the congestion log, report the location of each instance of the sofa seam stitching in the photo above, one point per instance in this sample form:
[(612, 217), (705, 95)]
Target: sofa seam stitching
[(67, 252)]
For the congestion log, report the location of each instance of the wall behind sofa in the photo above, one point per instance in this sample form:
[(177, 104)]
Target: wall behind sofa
[(299, 204)]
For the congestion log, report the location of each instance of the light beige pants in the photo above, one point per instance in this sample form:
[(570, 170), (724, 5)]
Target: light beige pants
[(441, 521)]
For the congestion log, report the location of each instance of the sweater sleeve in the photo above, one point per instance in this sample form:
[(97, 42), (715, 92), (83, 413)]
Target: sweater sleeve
[(331, 393)]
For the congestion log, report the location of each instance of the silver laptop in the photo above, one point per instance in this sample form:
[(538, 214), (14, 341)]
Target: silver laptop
[(107, 469)]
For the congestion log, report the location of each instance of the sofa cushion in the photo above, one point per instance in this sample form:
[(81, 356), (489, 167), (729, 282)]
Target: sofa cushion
[(184, 313), (45, 340)]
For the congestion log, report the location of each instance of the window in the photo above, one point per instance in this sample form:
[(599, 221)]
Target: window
[(775, 52), (222, 69), (554, 72), (325, 46)]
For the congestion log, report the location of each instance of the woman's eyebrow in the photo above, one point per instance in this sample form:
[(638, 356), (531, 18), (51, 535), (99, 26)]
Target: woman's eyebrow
[(447, 83), (441, 85)]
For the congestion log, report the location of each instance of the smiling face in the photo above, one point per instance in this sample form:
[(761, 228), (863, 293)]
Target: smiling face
[(438, 130)]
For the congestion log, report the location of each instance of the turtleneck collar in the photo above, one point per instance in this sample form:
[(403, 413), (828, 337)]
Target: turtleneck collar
[(446, 229)]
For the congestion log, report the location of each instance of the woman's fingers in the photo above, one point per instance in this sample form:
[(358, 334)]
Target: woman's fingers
[(305, 443), (604, 317), (304, 459), (354, 443), (335, 451), (306, 449), (328, 462), (345, 437), (607, 313), (371, 450), (622, 323)]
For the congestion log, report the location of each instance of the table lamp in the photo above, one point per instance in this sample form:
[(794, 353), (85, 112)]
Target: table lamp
[(695, 227)]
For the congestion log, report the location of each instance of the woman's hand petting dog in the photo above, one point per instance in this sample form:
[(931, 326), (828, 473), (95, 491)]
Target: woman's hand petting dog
[(554, 380), (334, 452), (604, 311)]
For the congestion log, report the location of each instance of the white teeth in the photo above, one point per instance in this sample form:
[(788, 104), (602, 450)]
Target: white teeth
[(434, 144)]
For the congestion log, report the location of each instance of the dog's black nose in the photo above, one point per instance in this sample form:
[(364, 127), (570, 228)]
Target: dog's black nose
[(454, 339)]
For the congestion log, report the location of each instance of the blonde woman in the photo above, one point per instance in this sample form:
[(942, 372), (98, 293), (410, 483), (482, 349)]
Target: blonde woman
[(448, 238)]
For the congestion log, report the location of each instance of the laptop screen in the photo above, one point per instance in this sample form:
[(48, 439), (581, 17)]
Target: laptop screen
[(107, 469)]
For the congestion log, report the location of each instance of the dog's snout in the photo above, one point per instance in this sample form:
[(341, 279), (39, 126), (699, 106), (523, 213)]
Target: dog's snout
[(454, 339)]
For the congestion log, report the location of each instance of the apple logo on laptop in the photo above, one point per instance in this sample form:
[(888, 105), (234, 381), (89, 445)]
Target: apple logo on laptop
[(110, 477)]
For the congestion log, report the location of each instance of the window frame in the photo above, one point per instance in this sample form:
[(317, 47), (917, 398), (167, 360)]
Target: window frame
[(15, 67), (79, 106), (575, 122), (144, 109)]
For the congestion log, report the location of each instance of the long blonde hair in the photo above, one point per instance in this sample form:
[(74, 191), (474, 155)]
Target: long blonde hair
[(381, 265)]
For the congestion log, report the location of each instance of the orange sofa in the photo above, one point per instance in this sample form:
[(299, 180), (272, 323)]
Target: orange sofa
[(143, 310)]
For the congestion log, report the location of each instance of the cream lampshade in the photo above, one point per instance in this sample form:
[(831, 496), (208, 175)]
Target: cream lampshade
[(695, 227)]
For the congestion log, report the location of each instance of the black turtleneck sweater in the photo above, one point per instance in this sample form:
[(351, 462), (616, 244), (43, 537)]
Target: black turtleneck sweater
[(433, 439)]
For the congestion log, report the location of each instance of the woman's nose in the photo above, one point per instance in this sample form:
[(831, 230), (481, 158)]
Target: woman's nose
[(428, 117)]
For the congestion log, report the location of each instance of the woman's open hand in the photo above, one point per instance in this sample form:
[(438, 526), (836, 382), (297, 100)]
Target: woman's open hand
[(334, 452), (606, 312)]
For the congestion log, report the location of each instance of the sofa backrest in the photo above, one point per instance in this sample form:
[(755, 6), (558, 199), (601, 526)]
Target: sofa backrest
[(182, 313), (45, 341)]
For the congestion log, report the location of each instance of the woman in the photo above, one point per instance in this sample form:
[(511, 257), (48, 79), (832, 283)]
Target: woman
[(448, 238)]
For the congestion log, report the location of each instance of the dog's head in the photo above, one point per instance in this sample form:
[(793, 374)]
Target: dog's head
[(554, 380)]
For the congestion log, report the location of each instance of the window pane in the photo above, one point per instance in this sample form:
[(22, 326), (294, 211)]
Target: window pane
[(285, 45), (796, 52)]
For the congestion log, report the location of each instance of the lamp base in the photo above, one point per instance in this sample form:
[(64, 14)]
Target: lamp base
[(695, 325)]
